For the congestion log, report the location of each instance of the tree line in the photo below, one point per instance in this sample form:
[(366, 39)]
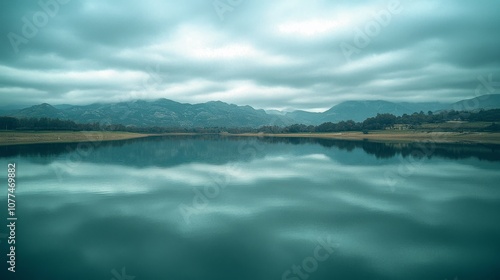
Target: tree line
[(388, 121), (379, 122)]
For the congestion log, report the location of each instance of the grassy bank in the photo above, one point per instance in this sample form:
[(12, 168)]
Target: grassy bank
[(32, 137), (398, 136)]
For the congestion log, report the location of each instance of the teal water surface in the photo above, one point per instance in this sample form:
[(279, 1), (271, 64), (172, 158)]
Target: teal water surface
[(253, 208)]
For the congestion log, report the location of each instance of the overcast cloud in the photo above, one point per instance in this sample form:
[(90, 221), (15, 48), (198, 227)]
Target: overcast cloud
[(286, 54)]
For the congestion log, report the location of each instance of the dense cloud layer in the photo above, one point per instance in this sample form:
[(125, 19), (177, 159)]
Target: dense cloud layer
[(269, 54)]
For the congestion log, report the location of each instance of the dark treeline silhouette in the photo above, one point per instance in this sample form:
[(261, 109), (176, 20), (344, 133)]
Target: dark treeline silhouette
[(10, 123), (379, 122), (489, 152), (387, 121)]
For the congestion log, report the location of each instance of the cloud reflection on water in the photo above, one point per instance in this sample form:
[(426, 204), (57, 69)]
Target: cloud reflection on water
[(111, 213)]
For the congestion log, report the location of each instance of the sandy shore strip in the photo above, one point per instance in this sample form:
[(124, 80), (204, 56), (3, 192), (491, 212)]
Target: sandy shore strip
[(395, 136), (30, 137)]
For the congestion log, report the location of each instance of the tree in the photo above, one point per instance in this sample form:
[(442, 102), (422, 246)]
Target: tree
[(8, 123)]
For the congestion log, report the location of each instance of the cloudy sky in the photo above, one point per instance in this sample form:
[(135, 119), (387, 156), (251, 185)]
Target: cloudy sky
[(285, 54)]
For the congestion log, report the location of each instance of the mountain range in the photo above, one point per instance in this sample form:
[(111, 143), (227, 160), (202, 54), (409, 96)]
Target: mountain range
[(164, 112)]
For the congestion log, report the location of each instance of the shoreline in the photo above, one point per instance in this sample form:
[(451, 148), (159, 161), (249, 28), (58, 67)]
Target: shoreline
[(8, 138), (396, 137)]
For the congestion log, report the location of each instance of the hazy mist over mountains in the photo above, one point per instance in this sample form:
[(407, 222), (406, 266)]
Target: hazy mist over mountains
[(297, 55), (164, 112), (165, 63)]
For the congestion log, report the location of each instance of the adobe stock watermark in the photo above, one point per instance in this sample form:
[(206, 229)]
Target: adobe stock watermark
[(219, 182), (485, 86), (94, 139), (30, 28), (154, 78), (84, 149), (150, 82), (122, 276), (408, 166), (310, 264), (363, 37), (222, 7)]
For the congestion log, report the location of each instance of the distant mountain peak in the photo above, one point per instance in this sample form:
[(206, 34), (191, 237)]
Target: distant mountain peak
[(169, 113), (44, 106), (487, 101), (160, 112)]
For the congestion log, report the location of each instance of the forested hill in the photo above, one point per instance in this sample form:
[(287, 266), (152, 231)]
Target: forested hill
[(488, 121), (168, 113)]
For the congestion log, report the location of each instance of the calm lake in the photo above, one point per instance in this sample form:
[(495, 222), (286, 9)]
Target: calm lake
[(210, 207)]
